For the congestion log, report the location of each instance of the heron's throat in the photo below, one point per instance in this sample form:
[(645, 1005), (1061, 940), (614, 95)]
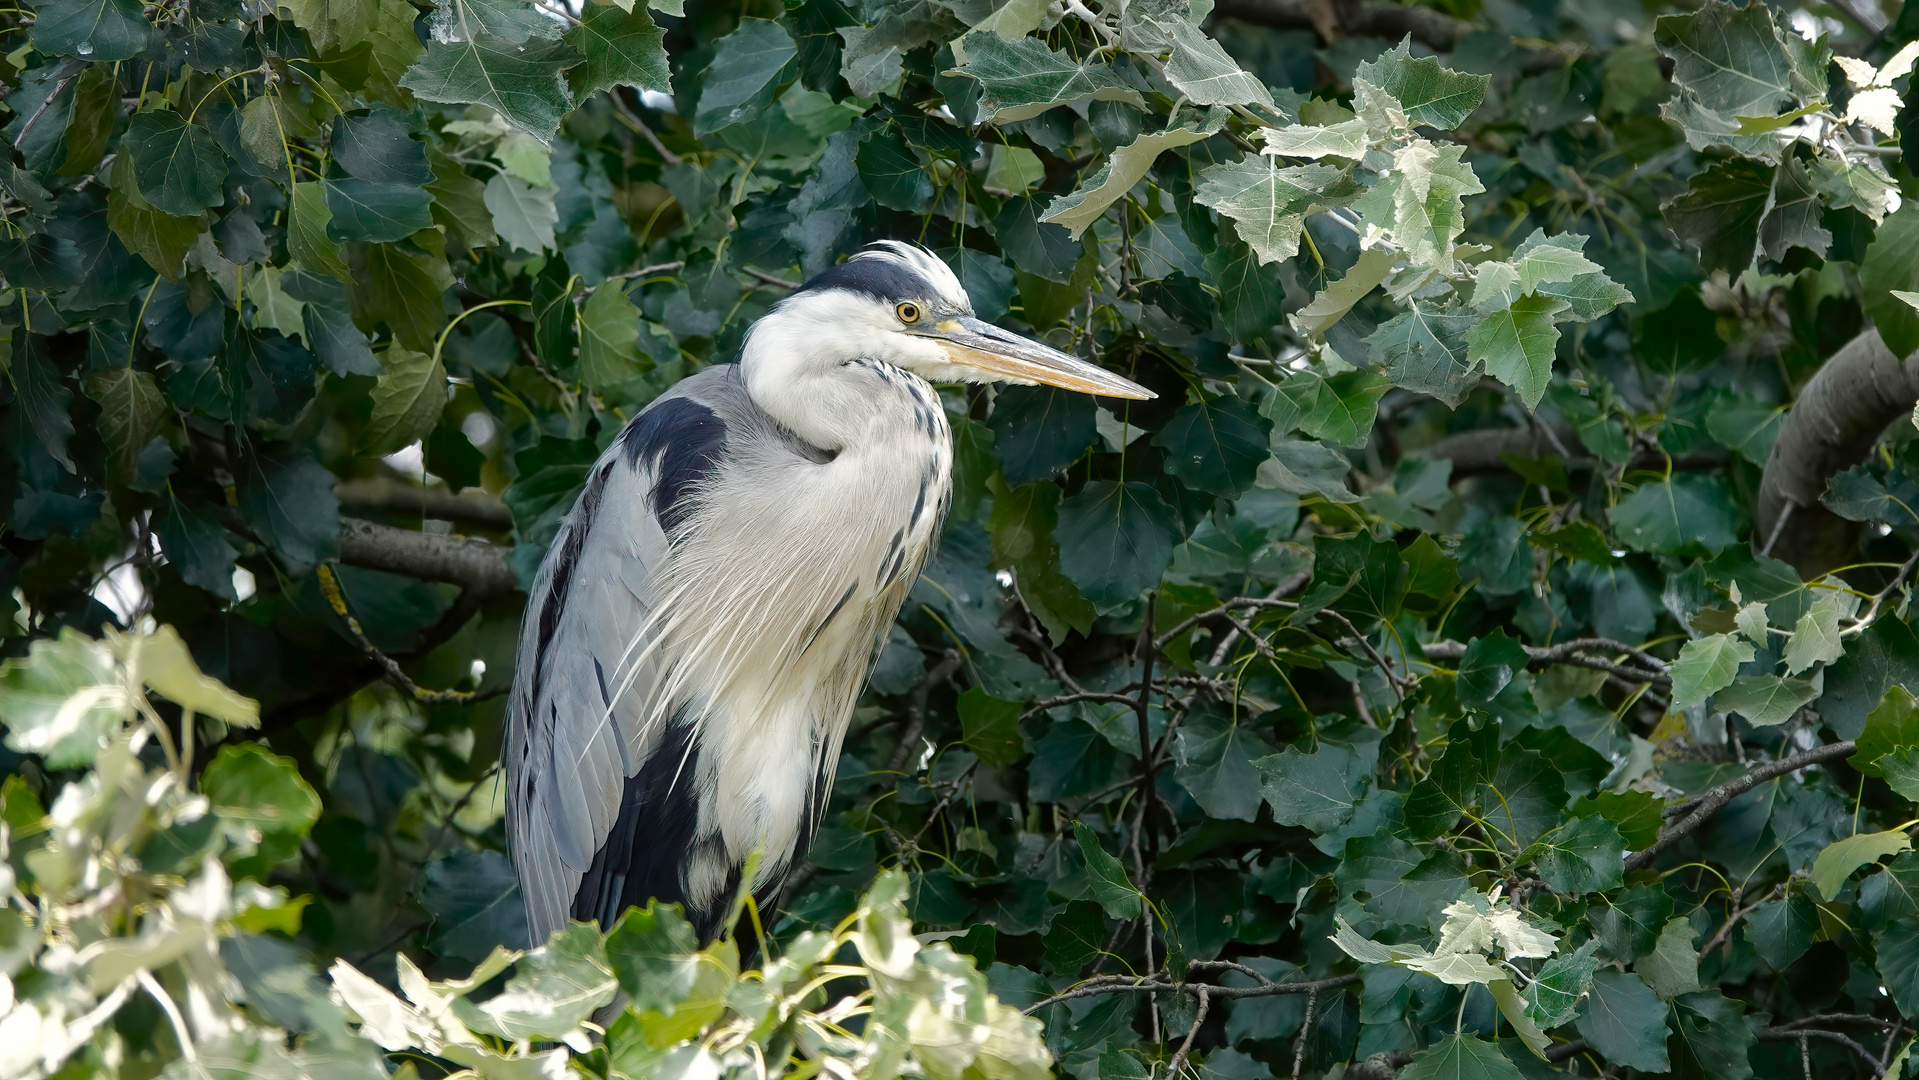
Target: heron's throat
[(831, 385)]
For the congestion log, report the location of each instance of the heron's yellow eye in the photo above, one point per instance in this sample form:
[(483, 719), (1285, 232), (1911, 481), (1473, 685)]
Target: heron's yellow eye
[(909, 312)]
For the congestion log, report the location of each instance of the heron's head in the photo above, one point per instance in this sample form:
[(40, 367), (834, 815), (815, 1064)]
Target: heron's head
[(901, 305)]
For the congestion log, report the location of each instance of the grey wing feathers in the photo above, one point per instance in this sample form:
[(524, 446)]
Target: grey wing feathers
[(574, 738)]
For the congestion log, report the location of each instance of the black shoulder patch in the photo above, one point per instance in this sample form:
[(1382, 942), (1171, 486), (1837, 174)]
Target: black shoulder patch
[(684, 439), (881, 279)]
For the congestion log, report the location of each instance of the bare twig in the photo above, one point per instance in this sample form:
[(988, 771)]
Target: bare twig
[(330, 585), (638, 125), (1305, 1032), (1186, 1047), (1800, 1034), (1148, 650), (916, 709), (768, 279), (644, 271), (1703, 808), (1157, 983)]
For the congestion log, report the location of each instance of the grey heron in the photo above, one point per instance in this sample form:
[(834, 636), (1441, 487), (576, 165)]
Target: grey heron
[(703, 623)]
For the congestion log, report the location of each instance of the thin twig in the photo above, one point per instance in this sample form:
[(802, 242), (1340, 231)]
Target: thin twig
[(1305, 1031), (769, 279), (644, 271), (1801, 1034), (1199, 1017), (1879, 598), (1713, 801), (1149, 650), (336, 599), (916, 709), (633, 121), (1156, 983)]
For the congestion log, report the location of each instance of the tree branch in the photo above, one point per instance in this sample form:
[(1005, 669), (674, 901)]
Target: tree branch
[(1832, 426), (1352, 18), (475, 565), (1699, 811), (394, 496)]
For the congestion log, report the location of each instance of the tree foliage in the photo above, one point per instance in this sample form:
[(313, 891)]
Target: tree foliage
[(1408, 687)]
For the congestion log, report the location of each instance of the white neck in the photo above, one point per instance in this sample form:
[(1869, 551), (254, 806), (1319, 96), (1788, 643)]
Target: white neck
[(800, 364)]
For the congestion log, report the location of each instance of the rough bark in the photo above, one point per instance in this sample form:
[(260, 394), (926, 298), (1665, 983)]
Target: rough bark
[(1333, 19), (1832, 426), (475, 565)]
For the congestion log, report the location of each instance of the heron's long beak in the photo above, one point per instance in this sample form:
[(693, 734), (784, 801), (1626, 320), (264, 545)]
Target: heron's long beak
[(977, 344)]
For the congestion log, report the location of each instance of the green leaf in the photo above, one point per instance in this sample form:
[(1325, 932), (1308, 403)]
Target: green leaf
[(1215, 446), (1269, 203), (651, 951), (45, 696), (1124, 168), (1111, 888), (1739, 209), (622, 48), (1783, 930), (1892, 724), (178, 166), (1078, 934), (1888, 266), (1583, 857), (401, 288), (1205, 74), (748, 66), (524, 84), (553, 988), (1213, 760), (1684, 512), (1706, 666), (1308, 468), (474, 899), (263, 804), (991, 727), (195, 542), (1516, 345), (1711, 1039), (308, 221), (1815, 638), (1629, 924), (1746, 426), (99, 31), (1115, 539), (1424, 349), (1672, 967), (523, 215), (1420, 203), (1317, 791), (363, 210), (1765, 700), (1022, 78), (1728, 62), (1562, 983), (286, 497), (1839, 859), (378, 149), (609, 338), (1340, 408), (407, 400), (1460, 1057), (161, 239), (1432, 94), (1450, 788), (1490, 666), (1251, 298), (132, 411), (1625, 1022), (893, 174)]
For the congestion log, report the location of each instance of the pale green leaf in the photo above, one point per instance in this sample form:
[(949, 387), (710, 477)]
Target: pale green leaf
[(1705, 667), (1839, 859)]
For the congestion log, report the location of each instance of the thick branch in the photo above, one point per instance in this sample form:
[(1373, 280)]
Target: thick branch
[(475, 565), (1699, 811), (1832, 427), (380, 493), (1352, 18)]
